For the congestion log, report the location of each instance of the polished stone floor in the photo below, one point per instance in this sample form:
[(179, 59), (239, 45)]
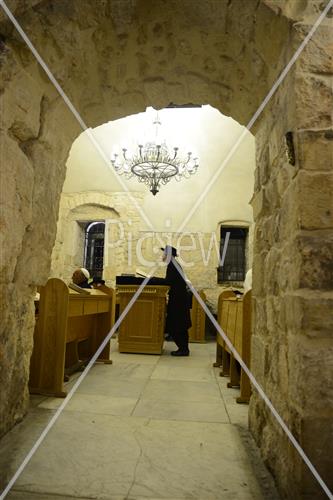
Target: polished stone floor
[(145, 427)]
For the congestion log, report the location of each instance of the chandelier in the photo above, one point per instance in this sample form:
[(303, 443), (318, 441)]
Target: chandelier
[(154, 163)]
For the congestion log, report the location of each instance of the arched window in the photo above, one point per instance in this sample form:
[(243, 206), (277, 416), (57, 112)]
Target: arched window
[(94, 248)]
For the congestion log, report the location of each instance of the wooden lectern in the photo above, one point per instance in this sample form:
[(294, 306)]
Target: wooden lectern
[(142, 329)]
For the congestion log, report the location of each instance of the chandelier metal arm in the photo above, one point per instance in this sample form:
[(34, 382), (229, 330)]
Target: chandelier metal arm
[(176, 152)]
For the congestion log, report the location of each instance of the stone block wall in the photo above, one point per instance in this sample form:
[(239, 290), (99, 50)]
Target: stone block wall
[(292, 349)]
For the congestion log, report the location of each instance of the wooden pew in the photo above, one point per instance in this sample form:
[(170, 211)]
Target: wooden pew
[(232, 331), (222, 307), (245, 348), (234, 316), (70, 327), (198, 318)]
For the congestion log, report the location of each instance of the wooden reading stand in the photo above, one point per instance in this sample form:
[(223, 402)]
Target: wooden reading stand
[(142, 330), (70, 326)]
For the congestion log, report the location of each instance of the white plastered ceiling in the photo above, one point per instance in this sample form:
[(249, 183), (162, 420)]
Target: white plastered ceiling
[(205, 130)]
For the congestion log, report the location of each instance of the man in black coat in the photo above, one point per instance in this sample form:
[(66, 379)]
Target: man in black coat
[(178, 319)]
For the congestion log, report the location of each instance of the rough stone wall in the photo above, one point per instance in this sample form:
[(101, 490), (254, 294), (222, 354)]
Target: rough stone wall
[(141, 53), (304, 11), (292, 351), (32, 158)]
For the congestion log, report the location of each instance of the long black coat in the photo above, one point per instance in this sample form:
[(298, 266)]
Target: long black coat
[(178, 309)]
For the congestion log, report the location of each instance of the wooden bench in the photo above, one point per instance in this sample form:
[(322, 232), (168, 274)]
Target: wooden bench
[(198, 319), (234, 317), (222, 307), (70, 326)]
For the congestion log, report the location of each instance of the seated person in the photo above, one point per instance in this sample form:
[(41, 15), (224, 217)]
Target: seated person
[(80, 278)]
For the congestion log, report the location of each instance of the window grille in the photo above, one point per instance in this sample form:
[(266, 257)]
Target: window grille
[(234, 263), (94, 248)]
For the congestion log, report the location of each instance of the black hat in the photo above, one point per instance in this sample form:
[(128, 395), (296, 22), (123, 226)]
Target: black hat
[(171, 249)]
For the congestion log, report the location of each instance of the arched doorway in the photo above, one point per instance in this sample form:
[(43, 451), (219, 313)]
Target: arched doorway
[(200, 55)]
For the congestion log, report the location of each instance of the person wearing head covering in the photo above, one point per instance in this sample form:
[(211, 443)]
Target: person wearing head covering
[(80, 277), (178, 319)]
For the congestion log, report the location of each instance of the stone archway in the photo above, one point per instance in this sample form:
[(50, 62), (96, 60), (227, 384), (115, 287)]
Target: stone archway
[(115, 61)]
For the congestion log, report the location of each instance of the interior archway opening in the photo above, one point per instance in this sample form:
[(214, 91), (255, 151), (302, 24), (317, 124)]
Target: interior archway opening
[(186, 212)]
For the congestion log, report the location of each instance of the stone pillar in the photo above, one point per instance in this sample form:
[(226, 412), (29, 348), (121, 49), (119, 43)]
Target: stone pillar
[(292, 349), (34, 144)]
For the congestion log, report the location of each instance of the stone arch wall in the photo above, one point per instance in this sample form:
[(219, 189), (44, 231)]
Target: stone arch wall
[(143, 54), (204, 52)]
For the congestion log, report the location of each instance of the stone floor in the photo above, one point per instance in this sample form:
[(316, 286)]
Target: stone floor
[(145, 427)]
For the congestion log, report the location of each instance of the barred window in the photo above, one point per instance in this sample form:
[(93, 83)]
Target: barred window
[(94, 248), (234, 263)]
